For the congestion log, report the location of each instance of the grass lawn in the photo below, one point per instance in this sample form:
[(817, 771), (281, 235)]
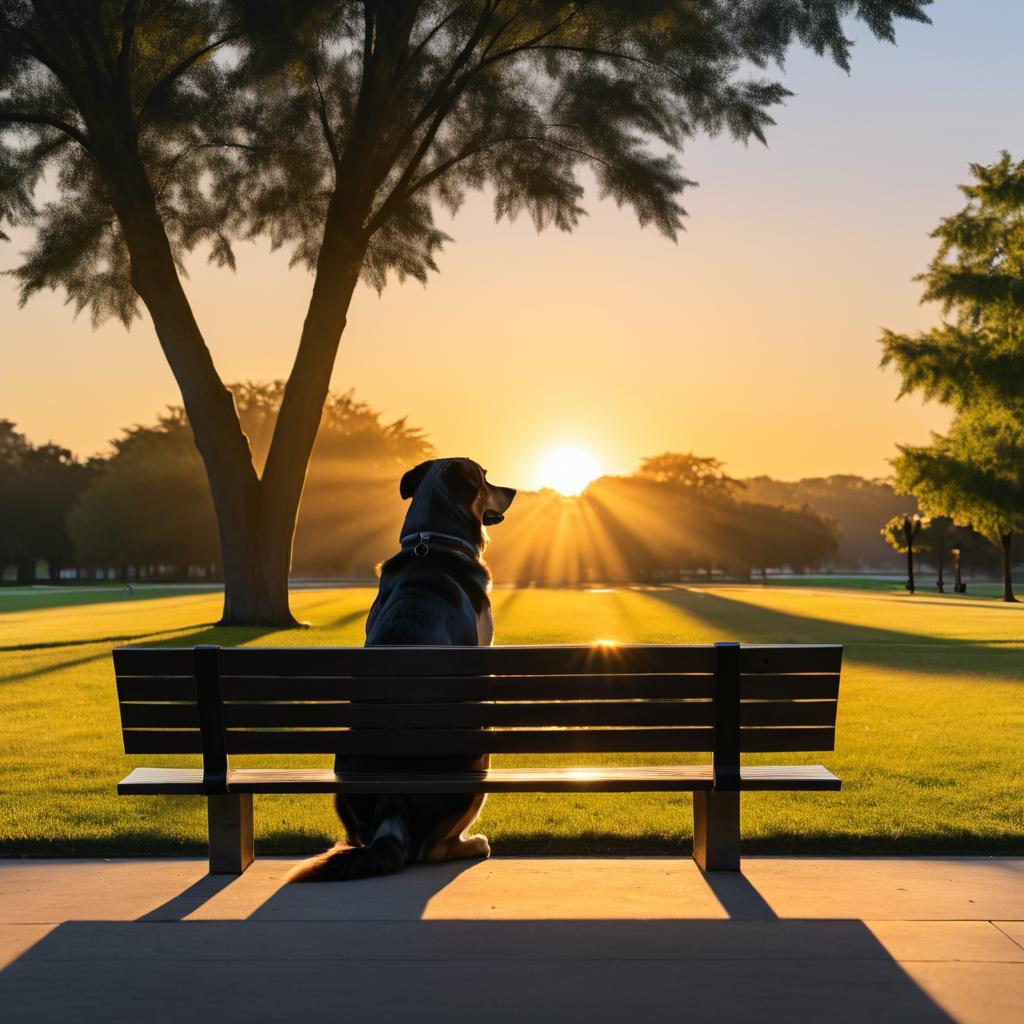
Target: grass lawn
[(930, 734)]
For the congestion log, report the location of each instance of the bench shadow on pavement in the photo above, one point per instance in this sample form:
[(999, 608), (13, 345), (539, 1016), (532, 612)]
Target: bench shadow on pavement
[(365, 951)]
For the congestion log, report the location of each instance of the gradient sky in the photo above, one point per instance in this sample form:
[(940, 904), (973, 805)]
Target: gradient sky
[(754, 339)]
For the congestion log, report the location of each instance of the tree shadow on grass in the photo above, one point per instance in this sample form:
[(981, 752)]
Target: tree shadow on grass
[(868, 645)]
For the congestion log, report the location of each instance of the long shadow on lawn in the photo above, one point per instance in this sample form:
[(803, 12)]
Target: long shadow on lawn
[(870, 645)]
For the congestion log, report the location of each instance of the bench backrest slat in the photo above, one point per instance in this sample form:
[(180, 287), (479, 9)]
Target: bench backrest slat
[(475, 742), (813, 686), (621, 659), (561, 699)]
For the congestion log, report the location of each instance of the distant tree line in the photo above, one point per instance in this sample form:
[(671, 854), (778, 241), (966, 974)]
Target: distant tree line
[(144, 512), (678, 516)]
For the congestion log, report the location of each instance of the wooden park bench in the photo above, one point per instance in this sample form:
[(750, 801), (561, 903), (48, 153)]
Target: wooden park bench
[(725, 699)]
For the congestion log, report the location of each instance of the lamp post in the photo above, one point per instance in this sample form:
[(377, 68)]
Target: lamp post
[(959, 587)]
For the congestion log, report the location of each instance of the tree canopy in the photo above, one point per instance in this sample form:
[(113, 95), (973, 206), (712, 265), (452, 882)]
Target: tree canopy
[(976, 355)]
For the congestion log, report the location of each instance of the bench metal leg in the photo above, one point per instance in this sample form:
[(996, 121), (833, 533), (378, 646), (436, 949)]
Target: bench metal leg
[(716, 830), (230, 823)]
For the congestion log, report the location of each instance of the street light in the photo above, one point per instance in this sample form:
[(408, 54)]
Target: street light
[(959, 586)]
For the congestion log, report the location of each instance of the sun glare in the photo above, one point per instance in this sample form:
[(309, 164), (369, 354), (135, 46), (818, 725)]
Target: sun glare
[(568, 470)]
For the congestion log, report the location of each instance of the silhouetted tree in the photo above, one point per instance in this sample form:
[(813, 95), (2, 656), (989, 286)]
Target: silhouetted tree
[(38, 486), (337, 128), (149, 504), (690, 472), (857, 505)]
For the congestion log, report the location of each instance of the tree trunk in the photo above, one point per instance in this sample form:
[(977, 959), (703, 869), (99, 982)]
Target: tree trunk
[(26, 569), (255, 518), (1006, 539), (910, 568), (940, 583)]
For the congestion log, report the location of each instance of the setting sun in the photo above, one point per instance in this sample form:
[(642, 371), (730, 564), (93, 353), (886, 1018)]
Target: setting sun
[(568, 470)]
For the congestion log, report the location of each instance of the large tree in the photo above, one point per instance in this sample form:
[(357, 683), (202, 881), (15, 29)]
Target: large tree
[(337, 127), (974, 362)]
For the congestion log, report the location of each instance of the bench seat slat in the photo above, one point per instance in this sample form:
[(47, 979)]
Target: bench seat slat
[(602, 779)]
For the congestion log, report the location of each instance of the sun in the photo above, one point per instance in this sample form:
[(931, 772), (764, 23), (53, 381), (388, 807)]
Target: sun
[(568, 470)]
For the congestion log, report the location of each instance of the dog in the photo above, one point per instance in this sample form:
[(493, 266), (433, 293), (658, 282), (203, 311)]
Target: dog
[(435, 591)]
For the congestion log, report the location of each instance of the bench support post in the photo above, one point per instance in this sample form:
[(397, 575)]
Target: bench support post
[(716, 830), (230, 824), (716, 815)]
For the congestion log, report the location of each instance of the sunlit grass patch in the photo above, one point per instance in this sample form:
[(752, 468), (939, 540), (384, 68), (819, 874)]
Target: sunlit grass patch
[(930, 734)]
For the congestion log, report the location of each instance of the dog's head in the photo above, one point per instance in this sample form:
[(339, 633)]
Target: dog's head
[(453, 488)]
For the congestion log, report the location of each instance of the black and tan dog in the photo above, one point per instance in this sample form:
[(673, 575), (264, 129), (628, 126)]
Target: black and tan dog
[(435, 591)]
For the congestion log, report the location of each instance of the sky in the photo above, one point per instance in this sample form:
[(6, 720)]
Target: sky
[(753, 339)]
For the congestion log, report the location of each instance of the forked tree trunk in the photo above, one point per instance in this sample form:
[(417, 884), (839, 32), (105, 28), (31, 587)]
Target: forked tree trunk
[(256, 517), (1006, 540)]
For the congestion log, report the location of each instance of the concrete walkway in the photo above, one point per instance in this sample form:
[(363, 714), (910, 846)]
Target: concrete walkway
[(524, 940)]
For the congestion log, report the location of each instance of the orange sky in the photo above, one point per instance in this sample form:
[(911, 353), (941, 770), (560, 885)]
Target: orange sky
[(754, 339)]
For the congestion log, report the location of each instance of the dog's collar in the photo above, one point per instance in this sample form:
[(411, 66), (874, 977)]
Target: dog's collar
[(421, 544)]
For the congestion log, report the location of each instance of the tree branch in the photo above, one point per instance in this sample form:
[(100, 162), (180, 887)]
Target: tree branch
[(395, 199), (325, 125), (180, 69), (36, 49), (48, 120), (124, 57)]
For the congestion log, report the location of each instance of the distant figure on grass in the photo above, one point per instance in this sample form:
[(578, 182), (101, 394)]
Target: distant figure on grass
[(435, 591)]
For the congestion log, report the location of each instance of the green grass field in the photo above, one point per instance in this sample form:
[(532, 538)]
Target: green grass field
[(930, 736)]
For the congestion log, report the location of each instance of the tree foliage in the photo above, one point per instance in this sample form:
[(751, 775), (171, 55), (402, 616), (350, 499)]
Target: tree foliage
[(690, 472), (520, 97), (38, 486), (976, 355), (974, 474)]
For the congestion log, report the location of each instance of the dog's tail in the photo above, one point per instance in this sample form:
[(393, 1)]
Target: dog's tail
[(386, 854)]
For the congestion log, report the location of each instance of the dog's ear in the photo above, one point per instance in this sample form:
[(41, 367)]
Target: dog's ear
[(463, 479), (412, 479)]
